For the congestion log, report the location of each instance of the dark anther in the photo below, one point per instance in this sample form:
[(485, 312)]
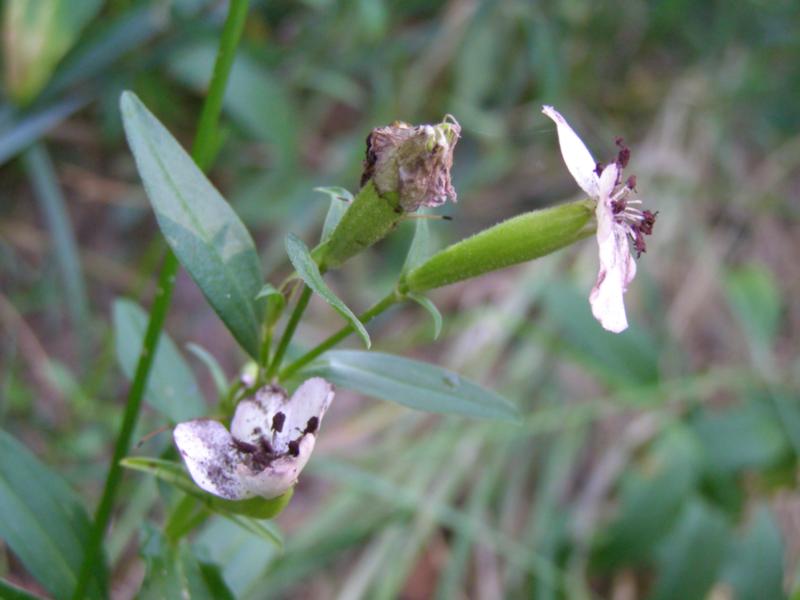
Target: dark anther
[(631, 183), (617, 206), (294, 448), (646, 226), (244, 446), (311, 426), (278, 421), (624, 154), (639, 243)]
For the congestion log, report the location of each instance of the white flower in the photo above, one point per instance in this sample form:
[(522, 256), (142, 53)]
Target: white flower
[(270, 441), (618, 220)]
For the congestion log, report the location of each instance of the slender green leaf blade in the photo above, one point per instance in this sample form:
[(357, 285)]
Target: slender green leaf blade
[(691, 557), (171, 388), (755, 564), (309, 272), (213, 366), (428, 305), (420, 249), (275, 303), (340, 200), (201, 228), (412, 383), (43, 521)]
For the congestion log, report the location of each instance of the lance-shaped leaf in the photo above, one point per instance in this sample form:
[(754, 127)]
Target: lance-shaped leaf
[(201, 228), (171, 387), (412, 383), (309, 272), (43, 521)]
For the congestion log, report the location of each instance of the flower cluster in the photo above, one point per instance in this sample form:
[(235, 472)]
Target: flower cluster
[(620, 221), (270, 441)]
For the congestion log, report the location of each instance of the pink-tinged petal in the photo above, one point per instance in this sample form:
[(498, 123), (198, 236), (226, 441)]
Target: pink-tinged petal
[(280, 474), (310, 400), (254, 416), (576, 155), (208, 452), (617, 269)]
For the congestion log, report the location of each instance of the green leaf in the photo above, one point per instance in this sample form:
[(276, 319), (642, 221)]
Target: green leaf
[(651, 501), (171, 388), (428, 305), (420, 249), (173, 571), (741, 437), (37, 34), (412, 383), (213, 366), (255, 100), (340, 200), (756, 300), (690, 558), (43, 521), (275, 303), (754, 568), (629, 357), (309, 272), (173, 472), (201, 228)]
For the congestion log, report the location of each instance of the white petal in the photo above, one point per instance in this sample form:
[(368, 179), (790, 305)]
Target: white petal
[(576, 155), (311, 399), (617, 269), (281, 474), (608, 179), (207, 449), (253, 416)]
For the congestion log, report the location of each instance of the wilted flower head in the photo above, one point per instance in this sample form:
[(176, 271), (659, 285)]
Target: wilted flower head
[(413, 161), (270, 441), (618, 220)]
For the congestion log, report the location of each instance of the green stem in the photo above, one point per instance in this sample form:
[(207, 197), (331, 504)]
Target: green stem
[(337, 337), (202, 152), (288, 333)]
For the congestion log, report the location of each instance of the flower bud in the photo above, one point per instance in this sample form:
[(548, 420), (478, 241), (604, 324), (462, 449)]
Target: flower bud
[(517, 240), (405, 168)]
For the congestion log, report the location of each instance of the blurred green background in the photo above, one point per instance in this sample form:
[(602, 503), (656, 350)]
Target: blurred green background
[(661, 463)]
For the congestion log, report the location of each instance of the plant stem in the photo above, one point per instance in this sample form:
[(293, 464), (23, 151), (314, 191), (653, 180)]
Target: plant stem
[(288, 333), (365, 317), (202, 152)]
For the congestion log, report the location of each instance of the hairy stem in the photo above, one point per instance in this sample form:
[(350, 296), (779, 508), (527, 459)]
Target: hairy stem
[(202, 152)]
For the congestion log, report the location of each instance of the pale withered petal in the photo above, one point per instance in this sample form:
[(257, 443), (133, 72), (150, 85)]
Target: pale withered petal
[(620, 222), (271, 440), (576, 155), (414, 162)]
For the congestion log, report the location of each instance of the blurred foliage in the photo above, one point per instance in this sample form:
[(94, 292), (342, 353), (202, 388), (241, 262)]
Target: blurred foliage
[(661, 463)]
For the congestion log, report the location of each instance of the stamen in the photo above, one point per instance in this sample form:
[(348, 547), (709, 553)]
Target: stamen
[(277, 421), (294, 448), (311, 426), (624, 154)]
